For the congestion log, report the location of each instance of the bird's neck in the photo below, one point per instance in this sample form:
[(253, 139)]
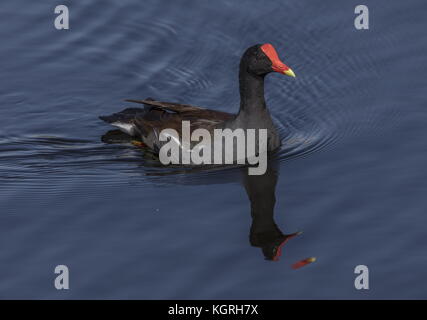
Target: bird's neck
[(251, 92)]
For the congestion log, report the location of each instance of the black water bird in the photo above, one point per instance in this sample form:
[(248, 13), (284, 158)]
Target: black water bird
[(146, 123)]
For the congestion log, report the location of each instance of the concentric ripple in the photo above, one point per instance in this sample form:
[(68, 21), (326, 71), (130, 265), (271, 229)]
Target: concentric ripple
[(173, 54)]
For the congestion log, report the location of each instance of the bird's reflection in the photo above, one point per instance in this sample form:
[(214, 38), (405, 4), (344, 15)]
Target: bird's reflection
[(264, 232)]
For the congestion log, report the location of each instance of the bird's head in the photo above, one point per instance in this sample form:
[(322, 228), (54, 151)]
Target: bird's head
[(262, 59)]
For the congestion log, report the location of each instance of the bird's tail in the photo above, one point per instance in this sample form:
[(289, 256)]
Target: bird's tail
[(125, 119)]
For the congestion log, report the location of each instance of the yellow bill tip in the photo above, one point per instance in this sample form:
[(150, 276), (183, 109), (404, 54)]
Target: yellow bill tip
[(289, 72)]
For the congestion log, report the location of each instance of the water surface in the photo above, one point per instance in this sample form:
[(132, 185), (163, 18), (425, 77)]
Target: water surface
[(351, 174)]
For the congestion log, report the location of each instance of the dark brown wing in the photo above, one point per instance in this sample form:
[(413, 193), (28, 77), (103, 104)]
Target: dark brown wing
[(186, 110), (166, 115)]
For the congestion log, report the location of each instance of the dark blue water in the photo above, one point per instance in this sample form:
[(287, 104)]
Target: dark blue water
[(351, 175)]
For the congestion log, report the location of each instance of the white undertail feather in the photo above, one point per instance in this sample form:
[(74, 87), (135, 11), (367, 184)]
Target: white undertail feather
[(128, 128)]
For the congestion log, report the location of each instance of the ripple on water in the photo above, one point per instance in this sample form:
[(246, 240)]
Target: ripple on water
[(310, 111), (25, 162)]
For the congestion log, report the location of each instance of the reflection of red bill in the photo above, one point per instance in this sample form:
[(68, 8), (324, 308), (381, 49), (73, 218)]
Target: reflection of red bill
[(279, 249), (302, 263)]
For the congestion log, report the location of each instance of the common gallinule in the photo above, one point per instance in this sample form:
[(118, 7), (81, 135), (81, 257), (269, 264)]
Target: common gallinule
[(257, 61)]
